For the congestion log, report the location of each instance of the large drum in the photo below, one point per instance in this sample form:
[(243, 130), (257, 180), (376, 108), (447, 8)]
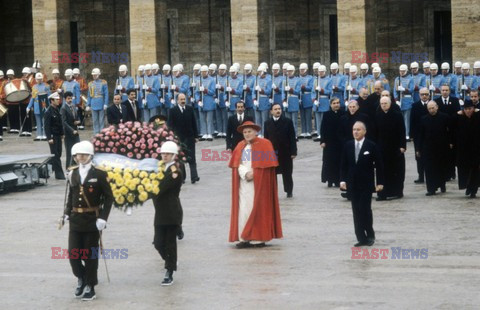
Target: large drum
[(16, 90)]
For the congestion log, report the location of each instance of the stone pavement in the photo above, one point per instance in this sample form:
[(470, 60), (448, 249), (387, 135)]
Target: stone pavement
[(310, 268)]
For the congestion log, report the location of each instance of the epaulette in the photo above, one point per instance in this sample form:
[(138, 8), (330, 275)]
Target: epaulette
[(102, 168), (104, 82), (71, 168), (174, 168), (174, 172)]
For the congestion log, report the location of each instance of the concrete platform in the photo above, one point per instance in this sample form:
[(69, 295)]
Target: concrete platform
[(311, 268)]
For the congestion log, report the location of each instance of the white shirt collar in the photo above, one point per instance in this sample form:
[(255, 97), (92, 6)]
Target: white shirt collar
[(83, 171), (276, 118), (169, 164)]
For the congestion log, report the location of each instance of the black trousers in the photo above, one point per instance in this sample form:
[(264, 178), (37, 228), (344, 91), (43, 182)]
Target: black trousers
[(286, 169), (14, 116), (468, 178), (451, 163), (3, 123), (420, 166), (165, 241), (69, 142), (81, 116), (192, 162), (88, 269), (362, 215), (56, 149)]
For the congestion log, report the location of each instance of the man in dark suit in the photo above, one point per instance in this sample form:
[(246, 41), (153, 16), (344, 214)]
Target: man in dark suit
[(182, 121), (134, 113), (70, 122), (116, 114), (233, 136), (280, 131), (360, 158), (450, 106), (419, 109)]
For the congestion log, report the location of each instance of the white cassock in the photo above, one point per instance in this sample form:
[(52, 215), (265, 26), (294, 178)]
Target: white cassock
[(246, 192)]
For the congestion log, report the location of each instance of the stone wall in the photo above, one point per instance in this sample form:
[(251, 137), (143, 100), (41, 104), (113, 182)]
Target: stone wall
[(465, 27)]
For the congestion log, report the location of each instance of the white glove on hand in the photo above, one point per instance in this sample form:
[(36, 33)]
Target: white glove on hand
[(59, 90), (401, 88), (227, 104), (173, 87), (105, 107), (202, 88), (285, 105), (162, 100), (464, 87), (162, 86), (460, 101), (318, 88), (144, 101), (137, 86), (101, 224), (274, 86), (145, 87), (119, 87), (218, 86), (431, 87), (349, 87), (270, 100), (194, 84), (200, 104), (316, 103), (257, 88), (244, 87), (172, 101), (87, 108), (398, 103), (28, 110), (65, 217), (229, 89), (217, 101), (255, 102), (287, 88)]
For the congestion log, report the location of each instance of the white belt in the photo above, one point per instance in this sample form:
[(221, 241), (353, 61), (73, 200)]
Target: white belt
[(264, 96), (234, 96), (323, 96), (307, 93), (407, 96)]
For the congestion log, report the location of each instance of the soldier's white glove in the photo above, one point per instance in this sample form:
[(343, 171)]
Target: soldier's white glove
[(229, 89), (173, 87), (255, 102), (87, 108), (316, 103), (285, 105), (270, 100), (218, 86), (318, 88), (28, 110), (431, 87), (274, 86), (257, 88), (162, 86), (464, 87), (145, 87), (73, 98), (349, 87), (200, 104), (105, 107), (401, 88), (137, 86), (217, 101), (201, 88), (101, 224), (245, 87), (162, 100), (172, 101), (59, 90), (461, 102), (333, 86), (194, 84), (227, 104), (287, 88), (144, 101), (65, 217), (398, 103), (119, 87)]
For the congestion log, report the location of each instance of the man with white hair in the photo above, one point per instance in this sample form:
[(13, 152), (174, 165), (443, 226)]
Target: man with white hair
[(124, 82), (39, 102), (97, 100), (419, 81), (338, 84), (291, 102), (248, 90), (306, 88), (353, 85), (449, 79), (403, 95)]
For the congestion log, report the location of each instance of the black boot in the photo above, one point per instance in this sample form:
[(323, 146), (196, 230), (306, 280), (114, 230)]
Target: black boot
[(80, 286), (180, 233), (168, 279), (89, 293)]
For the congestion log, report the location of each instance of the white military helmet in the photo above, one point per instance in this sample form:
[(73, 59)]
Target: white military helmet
[(458, 64), (353, 68), (170, 146), (155, 66), (222, 67), (122, 68), (364, 66), (445, 66), (374, 65), (334, 66), (76, 71), (10, 72), (291, 68), (204, 68), (237, 65), (1, 73), (166, 67), (316, 65), (434, 66), (96, 71), (403, 67), (347, 65), (426, 64), (377, 70), (26, 70), (466, 65), (83, 147), (68, 72), (275, 66), (248, 67), (414, 65), (55, 71), (285, 66), (303, 66), (54, 95), (180, 67), (175, 68), (233, 69), (322, 68), (476, 65), (141, 68), (38, 75), (212, 67), (265, 65), (148, 67), (197, 67), (261, 69)]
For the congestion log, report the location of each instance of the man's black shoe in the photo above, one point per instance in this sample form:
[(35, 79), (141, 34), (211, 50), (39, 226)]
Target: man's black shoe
[(195, 180), (467, 192), (419, 181), (395, 197), (381, 198), (80, 287), (344, 195), (430, 194), (317, 139), (370, 242), (443, 189), (89, 293), (168, 279), (473, 195), (259, 245), (180, 233), (243, 245), (289, 195), (359, 244)]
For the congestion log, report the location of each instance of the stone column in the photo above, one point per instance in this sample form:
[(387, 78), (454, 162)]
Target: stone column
[(465, 24), (143, 43), (244, 15), (351, 29)]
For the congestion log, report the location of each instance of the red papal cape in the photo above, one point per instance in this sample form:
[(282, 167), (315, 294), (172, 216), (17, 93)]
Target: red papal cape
[(264, 222)]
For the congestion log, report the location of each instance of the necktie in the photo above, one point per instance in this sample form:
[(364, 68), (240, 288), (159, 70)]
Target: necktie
[(446, 101), (73, 112), (134, 108), (181, 109), (240, 119), (357, 150), (120, 108)]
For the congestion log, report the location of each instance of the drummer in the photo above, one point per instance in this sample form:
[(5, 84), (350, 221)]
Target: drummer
[(39, 101), (26, 124), (57, 82), (13, 112)]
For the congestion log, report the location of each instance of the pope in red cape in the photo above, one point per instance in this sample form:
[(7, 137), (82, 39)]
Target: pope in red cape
[(255, 216)]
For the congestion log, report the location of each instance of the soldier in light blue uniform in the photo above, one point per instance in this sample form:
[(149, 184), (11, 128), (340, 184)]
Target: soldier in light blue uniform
[(181, 82), (458, 71), (39, 102), (374, 65), (166, 98), (315, 67), (364, 76), (234, 90), (277, 84), (321, 96), (194, 85), (97, 100), (476, 72), (291, 102), (248, 90), (404, 87), (450, 79), (72, 86), (377, 77), (353, 87), (306, 103), (221, 111), (338, 83), (151, 87), (263, 102), (123, 83), (466, 82), (212, 72), (206, 104), (428, 76), (138, 87), (419, 81), (437, 81)]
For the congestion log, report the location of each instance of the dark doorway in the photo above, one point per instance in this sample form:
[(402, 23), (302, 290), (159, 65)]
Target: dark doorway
[(443, 36), (74, 37), (333, 38)]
